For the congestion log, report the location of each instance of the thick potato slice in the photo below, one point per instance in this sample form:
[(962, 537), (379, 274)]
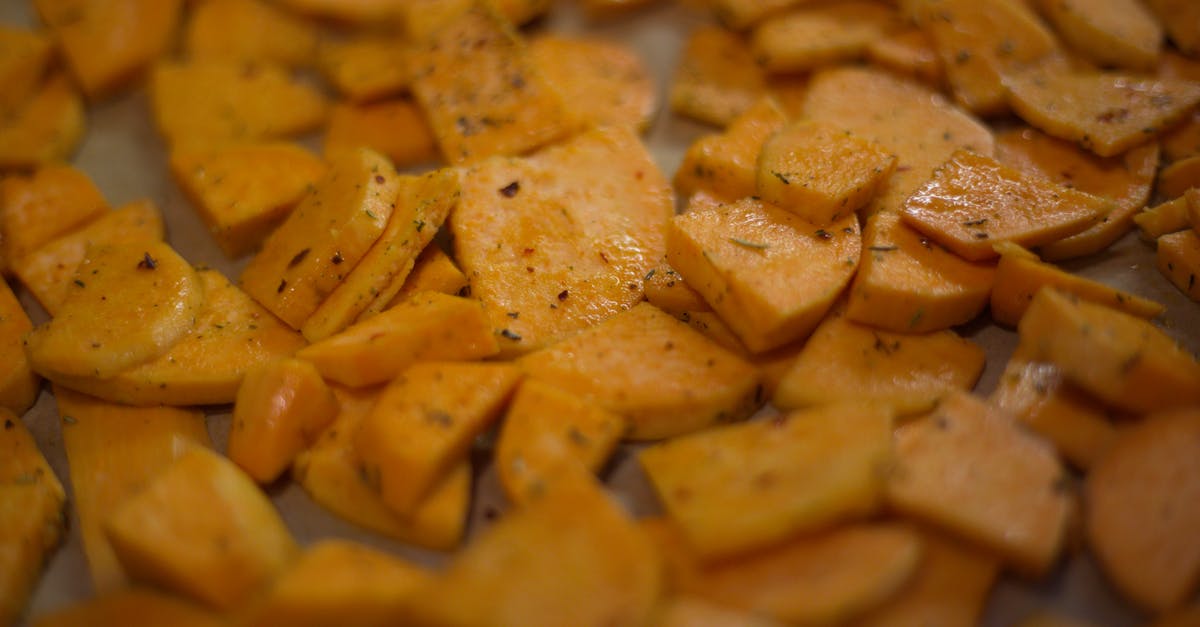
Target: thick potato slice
[(1121, 359), (419, 208), (114, 452), (1125, 179), (818, 579), (555, 243), (424, 424), (1178, 259), (1168, 217), (908, 53), (1181, 19), (592, 566), (717, 79), (973, 202), (1141, 510), (208, 104), (806, 38), (482, 92), (395, 129), (24, 57), (338, 582), (19, 386), (366, 68), (35, 210), (1105, 113), (908, 119), (771, 274), (130, 304), (845, 361), (606, 83), (131, 606), (980, 43), (281, 408), (434, 271), (248, 31), (45, 129), (1120, 33), (801, 472), (32, 520), (324, 237), (726, 164), (330, 472), (667, 290), (1020, 275), (47, 271), (427, 326), (549, 436), (909, 284), (243, 192), (971, 469), (820, 172)]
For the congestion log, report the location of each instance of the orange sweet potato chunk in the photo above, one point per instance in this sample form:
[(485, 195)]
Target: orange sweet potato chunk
[(434, 271), (45, 129), (19, 386), (1113, 33), (366, 68), (739, 14), (1181, 20), (1180, 176), (605, 82), (973, 202), (352, 12), (1178, 259), (809, 37), (53, 201), (666, 289), (717, 78), (131, 606), (248, 31), (909, 284), (1167, 217), (908, 53), (394, 128), (726, 164), (24, 57)]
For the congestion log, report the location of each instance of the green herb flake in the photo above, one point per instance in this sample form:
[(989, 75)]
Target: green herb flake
[(749, 244)]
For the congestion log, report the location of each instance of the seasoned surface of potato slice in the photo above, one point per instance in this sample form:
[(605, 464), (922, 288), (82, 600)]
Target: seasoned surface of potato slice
[(248, 31), (606, 83), (717, 78), (35, 210), (45, 129), (726, 164), (1179, 261), (19, 386), (806, 38), (1120, 33)]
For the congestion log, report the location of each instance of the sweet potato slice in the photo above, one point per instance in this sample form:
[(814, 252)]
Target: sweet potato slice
[(717, 79), (424, 424), (689, 611), (427, 326), (806, 38), (666, 289), (908, 119), (1183, 140), (692, 383), (419, 208), (366, 68), (330, 473), (820, 172), (482, 93), (19, 386), (908, 53), (129, 304), (740, 14), (131, 606), (1180, 18), (395, 129), (972, 470), (1119, 33), (203, 529), (550, 436), (351, 12), (46, 129), (47, 271), (115, 451), (248, 31), (1178, 259), (243, 192), (557, 242), (1141, 510), (606, 83), (973, 202), (300, 264), (1102, 112), (801, 472), (1123, 360), (32, 520), (1180, 176), (593, 566), (434, 271), (726, 164), (1125, 179), (771, 274), (232, 334), (1168, 217), (338, 582), (50, 203), (909, 284), (24, 57), (845, 361), (207, 104)]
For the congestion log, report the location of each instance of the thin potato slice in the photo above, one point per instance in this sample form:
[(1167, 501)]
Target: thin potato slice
[(973, 202), (970, 469), (1142, 512), (130, 304), (667, 290), (909, 284), (1168, 217), (1178, 259), (688, 382), (248, 31), (46, 129), (806, 38), (726, 164), (771, 274), (37, 209), (1104, 113), (434, 271), (19, 386), (395, 129), (717, 79), (845, 361), (908, 53), (746, 487), (1120, 33), (131, 606), (605, 82), (24, 57), (1123, 360), (366, 68)]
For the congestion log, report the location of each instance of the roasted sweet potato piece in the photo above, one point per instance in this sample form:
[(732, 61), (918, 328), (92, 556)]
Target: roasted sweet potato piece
[(1182, 140), (692, 383), (908, 53), (1120, 33), (114, 452), (1168, 217), (243, 192), (717, 79), (1180, 19), (423, 19), (366, 68), (690, 611), (802, 472), (807, 37), (1142, 510), (352, 12), (666, 289), (434, 271), (53, 201), (973, 202), (19, 386), (726, 164), (740, 14), (605, 82), (1178, 259), (1180, 176), (845, 361), (45, 129), (24, 57), (248, 31), (908, 284), (395, 129), (970, 469), (129, 606)]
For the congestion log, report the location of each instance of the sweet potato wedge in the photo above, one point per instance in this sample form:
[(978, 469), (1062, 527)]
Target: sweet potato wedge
[(1178, 177), (1168, 217), (1178, 259), (53, 201), (45, 129), (248, 31), (667, 290), (395, 129), (19, 386), (726, 164), (434, 271), (717, 79), (606, 83)]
